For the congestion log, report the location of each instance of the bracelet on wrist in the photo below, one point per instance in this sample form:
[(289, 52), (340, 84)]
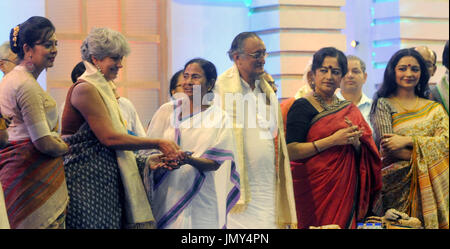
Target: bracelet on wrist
[(315, 147)]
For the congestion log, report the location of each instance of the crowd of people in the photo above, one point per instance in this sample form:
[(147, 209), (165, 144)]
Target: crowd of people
[(223, 152)]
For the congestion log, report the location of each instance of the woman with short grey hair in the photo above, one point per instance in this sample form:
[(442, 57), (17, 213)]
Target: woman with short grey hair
[(104, 42), (103, 174)]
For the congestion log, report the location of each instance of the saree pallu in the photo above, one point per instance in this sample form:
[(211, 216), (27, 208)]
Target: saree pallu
[(34, 186), (420, 187), (93, 179), (193, 198), (338, 185)]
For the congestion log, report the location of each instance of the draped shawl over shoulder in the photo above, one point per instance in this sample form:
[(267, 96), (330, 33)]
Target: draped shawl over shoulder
[(136, 203), (230, 83)]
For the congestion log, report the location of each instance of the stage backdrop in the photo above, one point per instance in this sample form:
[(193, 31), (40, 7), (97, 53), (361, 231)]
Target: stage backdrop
[(165, 34)]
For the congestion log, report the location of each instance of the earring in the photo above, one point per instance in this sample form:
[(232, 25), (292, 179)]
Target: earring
[(29, 65)]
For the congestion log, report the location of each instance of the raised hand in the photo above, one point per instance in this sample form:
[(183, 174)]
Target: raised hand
[(355, 140)]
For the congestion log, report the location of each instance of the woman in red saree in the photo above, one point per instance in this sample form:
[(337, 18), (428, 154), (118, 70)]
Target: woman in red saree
[(335, 164), (412, 132)]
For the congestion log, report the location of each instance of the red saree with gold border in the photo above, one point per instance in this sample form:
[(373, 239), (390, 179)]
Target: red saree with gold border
[(338, 185)]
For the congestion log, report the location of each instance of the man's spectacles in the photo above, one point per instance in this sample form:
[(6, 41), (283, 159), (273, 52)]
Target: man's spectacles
[(257, 55)]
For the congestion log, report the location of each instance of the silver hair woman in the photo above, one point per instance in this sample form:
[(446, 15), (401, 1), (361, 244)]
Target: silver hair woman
[(103, 175), (102, 47)]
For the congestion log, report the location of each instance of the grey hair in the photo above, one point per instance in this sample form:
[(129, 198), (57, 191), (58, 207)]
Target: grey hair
[(4, 50), (361, 62), (237, 46), (104, 42)]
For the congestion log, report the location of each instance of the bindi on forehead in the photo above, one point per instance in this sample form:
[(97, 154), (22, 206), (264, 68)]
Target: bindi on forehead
[(408, 65), (330, 67)]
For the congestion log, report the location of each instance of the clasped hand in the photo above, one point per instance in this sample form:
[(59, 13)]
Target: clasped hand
[(168, 162), (349, 135)]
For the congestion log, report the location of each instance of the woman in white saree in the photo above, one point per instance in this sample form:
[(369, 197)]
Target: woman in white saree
[(199, 193)]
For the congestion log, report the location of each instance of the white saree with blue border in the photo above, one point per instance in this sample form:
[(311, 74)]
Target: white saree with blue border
[(186, 197)]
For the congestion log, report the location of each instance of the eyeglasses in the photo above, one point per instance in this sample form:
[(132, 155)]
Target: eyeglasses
[(257, 54)]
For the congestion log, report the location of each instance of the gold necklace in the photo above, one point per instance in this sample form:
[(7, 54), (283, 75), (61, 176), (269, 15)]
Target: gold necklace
[(408, 110)]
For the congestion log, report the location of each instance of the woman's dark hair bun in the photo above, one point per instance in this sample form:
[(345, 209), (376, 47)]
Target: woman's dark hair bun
[(35, 29), (14, 39)]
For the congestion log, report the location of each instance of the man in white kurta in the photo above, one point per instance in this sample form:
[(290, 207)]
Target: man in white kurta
[(267, 198), (259, 157)]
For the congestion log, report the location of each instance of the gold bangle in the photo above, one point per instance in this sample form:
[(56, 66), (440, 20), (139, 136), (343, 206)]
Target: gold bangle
[(315, 146)]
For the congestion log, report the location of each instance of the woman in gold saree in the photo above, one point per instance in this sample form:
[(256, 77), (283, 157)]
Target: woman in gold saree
[(412, 133)]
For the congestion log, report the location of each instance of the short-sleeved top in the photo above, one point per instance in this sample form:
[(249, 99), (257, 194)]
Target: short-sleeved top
[(299, 120), (33, 111)]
